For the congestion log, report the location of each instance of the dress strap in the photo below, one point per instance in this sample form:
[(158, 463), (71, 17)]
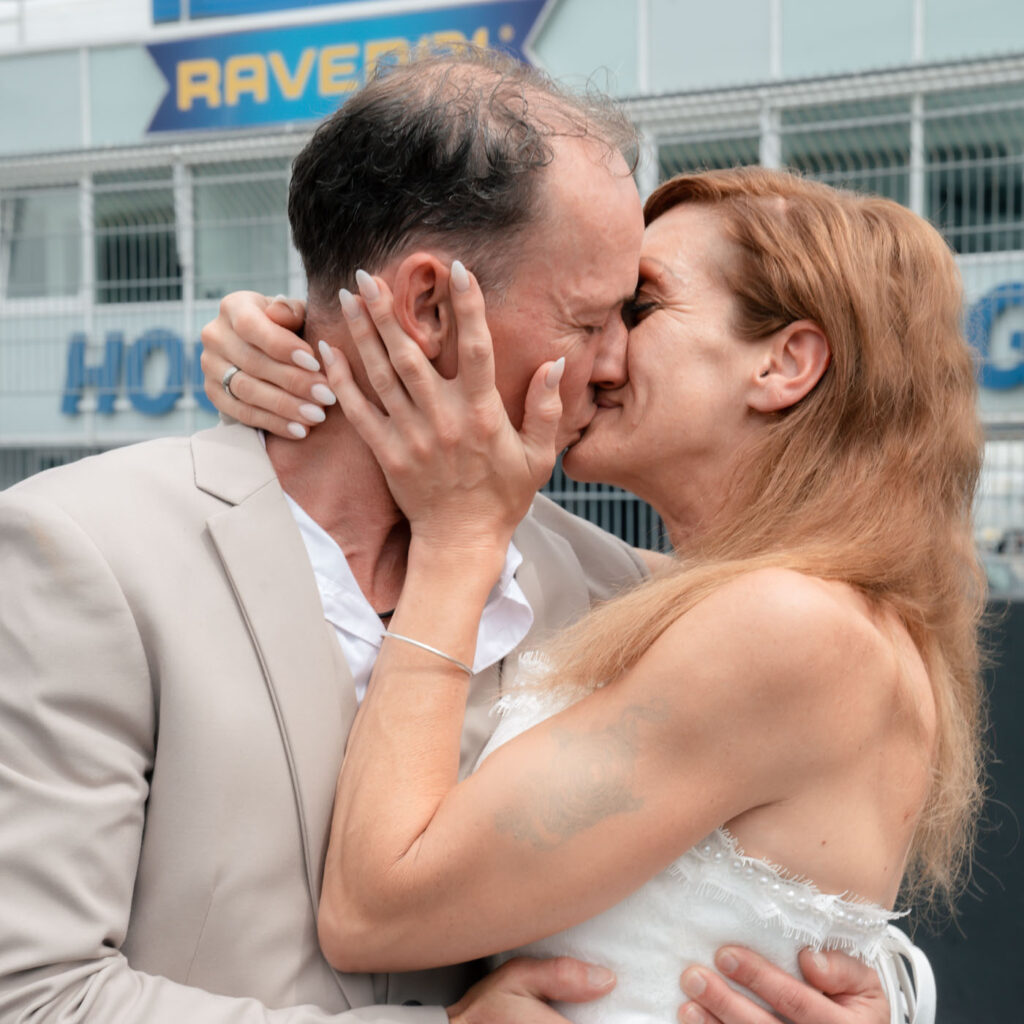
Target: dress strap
[(907, 980)]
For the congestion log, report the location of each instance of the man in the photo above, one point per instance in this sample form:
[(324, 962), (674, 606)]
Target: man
[(175, 707)]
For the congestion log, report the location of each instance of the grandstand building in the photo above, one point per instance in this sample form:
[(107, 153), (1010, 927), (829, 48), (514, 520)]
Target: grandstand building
[(145, 149)]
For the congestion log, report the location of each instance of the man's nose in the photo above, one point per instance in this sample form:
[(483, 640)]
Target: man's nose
[(610, 362)]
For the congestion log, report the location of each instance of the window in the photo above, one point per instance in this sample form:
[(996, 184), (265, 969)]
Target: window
[(241, 220), (974, 184), (135, 239), (40, 243), (863, 146), (706, 154)]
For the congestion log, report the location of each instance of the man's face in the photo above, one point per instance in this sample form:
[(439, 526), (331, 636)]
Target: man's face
[(579, 264)]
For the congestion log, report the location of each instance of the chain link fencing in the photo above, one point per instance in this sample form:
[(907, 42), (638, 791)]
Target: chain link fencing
[(110, 262)]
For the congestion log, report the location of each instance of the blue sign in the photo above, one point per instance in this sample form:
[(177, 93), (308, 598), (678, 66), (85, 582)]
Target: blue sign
[(172, 10), (304, 72), (105, 378), (981, 319)]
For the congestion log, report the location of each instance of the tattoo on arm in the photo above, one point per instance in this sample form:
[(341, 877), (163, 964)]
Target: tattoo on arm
[(589, 778)]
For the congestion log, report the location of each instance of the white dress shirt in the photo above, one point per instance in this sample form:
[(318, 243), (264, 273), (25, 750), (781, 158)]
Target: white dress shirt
[(506, 619)]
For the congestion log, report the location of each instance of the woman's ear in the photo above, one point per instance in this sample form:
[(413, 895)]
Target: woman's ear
[(423, 308), (792, 362)]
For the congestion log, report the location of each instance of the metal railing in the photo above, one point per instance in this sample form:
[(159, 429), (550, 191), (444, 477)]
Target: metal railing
[(108, 246)]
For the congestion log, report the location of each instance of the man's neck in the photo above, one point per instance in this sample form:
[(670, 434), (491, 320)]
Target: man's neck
[(336, 480)]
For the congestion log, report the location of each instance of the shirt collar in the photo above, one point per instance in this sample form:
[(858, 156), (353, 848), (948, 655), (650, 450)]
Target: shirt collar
[(506, 619)]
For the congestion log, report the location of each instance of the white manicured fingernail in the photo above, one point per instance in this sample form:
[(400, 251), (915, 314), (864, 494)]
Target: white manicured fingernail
[(692, 1014), (305, 360), (367, 286), (313, 413), (297, 430), (554, 377), (726, 962), (694, 983), (322, 393), (325, 353), (349, 304), (820, 961), (460, 278)]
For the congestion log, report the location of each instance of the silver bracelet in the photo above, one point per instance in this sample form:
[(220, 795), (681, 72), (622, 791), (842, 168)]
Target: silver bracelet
[(432, 650)]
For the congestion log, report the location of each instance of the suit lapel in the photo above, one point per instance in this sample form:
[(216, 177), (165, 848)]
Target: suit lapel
[(306, 676), (560, 599), (479, 723), (551, 580)]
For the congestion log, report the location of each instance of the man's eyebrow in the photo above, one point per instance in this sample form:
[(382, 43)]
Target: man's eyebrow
[(591, 306)]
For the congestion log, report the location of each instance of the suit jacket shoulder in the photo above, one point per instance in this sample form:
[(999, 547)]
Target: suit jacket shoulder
[(170, 703), (607, 564)]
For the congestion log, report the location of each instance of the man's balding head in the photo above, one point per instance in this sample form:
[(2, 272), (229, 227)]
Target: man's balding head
[(448, 153)]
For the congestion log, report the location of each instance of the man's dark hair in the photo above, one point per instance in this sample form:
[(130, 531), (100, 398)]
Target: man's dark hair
[(445, 151)]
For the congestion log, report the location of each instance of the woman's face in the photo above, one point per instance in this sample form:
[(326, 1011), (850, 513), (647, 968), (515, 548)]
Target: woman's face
[(678, 421)]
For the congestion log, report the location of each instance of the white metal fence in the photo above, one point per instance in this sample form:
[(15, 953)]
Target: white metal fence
[(125, 253)]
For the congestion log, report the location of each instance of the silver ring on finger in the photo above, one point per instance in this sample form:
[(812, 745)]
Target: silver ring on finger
[(226, 382)]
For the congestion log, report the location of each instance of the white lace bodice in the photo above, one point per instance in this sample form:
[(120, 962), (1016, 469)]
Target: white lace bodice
[(710, 896)]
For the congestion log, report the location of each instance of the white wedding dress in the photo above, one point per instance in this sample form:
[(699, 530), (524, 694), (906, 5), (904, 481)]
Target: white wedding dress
[(711, 896)]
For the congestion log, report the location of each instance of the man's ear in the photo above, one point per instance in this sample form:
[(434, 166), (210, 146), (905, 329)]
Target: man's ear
[(791, 363), (422, 305)]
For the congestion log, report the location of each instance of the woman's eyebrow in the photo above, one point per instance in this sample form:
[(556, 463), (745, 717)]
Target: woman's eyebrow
[(655, 272)]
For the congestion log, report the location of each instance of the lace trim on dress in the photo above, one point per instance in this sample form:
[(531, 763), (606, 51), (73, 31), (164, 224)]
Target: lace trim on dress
[(771, 897), (533, 692), (763, 893)]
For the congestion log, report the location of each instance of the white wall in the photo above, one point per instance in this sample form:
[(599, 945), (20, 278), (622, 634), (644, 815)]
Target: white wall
[(67, 23)]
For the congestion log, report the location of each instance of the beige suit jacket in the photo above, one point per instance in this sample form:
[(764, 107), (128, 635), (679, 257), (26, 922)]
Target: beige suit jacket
[(173, 713)]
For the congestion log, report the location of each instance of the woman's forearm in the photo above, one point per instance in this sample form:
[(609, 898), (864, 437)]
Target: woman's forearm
[(464, 477), (402, 757)]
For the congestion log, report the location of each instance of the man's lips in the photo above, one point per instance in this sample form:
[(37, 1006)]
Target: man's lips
[(585, 422), (601, 402), (578, 433)]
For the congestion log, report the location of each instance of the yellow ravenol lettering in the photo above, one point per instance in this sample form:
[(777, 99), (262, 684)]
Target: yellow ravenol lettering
[(198, 80), (291, 85), (245, 73), (397, 51), (337, 69)]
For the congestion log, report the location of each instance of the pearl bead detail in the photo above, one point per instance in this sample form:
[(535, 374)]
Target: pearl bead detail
[(771, 894)]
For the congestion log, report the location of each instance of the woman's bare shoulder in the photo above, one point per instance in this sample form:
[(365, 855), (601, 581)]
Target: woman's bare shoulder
[(780, 637), (777, 675), (790, 605)]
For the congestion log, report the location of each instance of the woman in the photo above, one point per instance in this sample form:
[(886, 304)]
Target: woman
[(800, 689)]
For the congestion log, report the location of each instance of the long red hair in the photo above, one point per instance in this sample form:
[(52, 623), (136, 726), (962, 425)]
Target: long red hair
[(870, 479)]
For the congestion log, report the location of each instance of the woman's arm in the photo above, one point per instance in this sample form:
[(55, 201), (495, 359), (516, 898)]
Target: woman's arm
[(576, 813)]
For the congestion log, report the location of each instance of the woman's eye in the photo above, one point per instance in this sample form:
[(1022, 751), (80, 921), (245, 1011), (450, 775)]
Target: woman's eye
[(636, 310)]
